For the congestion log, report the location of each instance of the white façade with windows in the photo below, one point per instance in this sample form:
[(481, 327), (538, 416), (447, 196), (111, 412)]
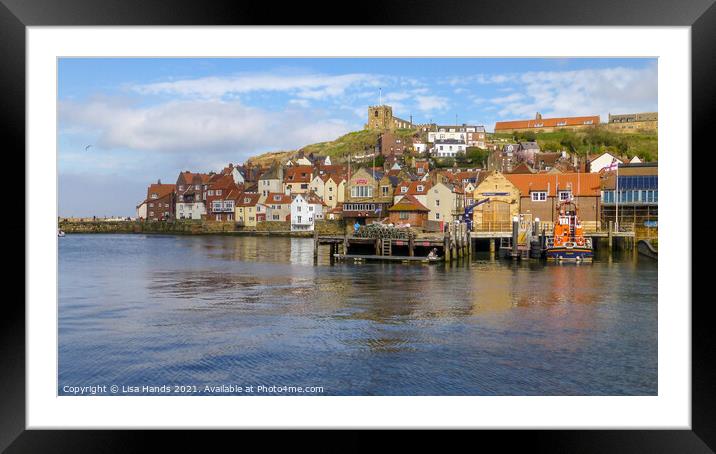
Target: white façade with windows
[(304, 214)]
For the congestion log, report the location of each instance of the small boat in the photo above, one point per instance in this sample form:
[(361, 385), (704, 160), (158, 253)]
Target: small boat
[(568, 242), (60, 233)]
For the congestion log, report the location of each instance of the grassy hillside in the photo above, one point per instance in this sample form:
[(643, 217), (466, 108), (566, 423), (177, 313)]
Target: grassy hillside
[(355, 143), (267, 159), (593, 141)]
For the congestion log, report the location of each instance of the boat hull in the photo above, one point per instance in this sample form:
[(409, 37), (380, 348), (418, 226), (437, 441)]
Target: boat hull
[(570, 254)]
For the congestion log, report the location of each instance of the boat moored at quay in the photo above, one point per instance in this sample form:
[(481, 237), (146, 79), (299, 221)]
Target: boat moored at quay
[(568, 242)]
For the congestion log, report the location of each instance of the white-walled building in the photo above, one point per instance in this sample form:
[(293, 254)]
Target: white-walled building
[(471, 135), (190, 210), (142, 210), (602, 161), (306, 209), (448, 148)]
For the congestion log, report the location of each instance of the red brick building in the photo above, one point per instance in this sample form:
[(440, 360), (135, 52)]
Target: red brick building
[(221, 198), (160, 202), (409, 211)]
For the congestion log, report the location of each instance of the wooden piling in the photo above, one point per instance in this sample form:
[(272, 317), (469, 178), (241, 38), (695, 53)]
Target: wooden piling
[(411, 246), (446, 245), (609, 235), (315, 246)]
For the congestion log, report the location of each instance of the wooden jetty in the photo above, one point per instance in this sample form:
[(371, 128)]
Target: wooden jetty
[(454, 244), (457, 243)]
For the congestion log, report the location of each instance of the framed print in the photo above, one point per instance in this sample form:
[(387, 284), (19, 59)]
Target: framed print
[(405, 219)]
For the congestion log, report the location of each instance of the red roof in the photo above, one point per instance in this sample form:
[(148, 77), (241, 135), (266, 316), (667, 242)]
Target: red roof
[(408, 203), (581, 184), (247, 199), (412, 187), (160, 189), (298, 174), (277, 198), (546, 122)]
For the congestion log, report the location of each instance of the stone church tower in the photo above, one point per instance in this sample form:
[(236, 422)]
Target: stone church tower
[(380, 118)]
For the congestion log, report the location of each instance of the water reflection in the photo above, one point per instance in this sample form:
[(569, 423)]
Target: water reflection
[(136, 309)]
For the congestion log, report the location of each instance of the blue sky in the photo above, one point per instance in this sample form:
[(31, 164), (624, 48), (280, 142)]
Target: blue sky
[(149, 119)]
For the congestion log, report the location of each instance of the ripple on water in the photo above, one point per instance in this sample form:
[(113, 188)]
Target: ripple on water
[(153, 310)]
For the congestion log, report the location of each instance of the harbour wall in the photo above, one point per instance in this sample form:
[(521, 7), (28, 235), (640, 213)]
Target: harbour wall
[(186, 227)]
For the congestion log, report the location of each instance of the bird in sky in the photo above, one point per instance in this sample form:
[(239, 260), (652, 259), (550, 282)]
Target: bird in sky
[(87, 147)]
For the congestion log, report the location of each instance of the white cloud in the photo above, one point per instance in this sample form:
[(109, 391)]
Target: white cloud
[(199, 126), (310, 86), (582, 92), (430, 103)]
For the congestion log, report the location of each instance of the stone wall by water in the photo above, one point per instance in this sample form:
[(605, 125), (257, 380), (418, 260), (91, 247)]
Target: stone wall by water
[(192, 227)]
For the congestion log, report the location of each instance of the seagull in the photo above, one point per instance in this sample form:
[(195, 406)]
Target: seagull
[(87, 147)]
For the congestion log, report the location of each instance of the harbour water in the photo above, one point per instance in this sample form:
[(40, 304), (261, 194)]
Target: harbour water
[(197, 311)]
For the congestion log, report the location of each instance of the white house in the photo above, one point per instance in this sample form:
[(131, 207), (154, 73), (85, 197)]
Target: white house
[(190, 210), (602, 161), (420, 147), (448, 148), (142, 210), (472, 135), (305, 210)]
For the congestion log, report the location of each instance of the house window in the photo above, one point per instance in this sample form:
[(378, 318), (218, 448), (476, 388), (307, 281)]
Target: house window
[(277, 198), (298, 208), (437, 215), (298, 218), (421, 188), (216, 206), (403, 189), (304, 186), (330, 197), (151, 213), (565, 195), (403, 215), (218, 192), (181, 187), (151, 205), (437, 202), (154, 195), (211, 192), (539, 196), (588, 122)]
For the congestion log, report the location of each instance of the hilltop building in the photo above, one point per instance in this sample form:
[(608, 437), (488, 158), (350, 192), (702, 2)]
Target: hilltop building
[(381, 118), (469, 135), (539, 124), (635, 122)]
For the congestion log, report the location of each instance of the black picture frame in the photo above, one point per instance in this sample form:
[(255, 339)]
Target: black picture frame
[(16, 15)]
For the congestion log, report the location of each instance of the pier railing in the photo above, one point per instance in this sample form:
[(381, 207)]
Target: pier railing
[(493, 226)]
